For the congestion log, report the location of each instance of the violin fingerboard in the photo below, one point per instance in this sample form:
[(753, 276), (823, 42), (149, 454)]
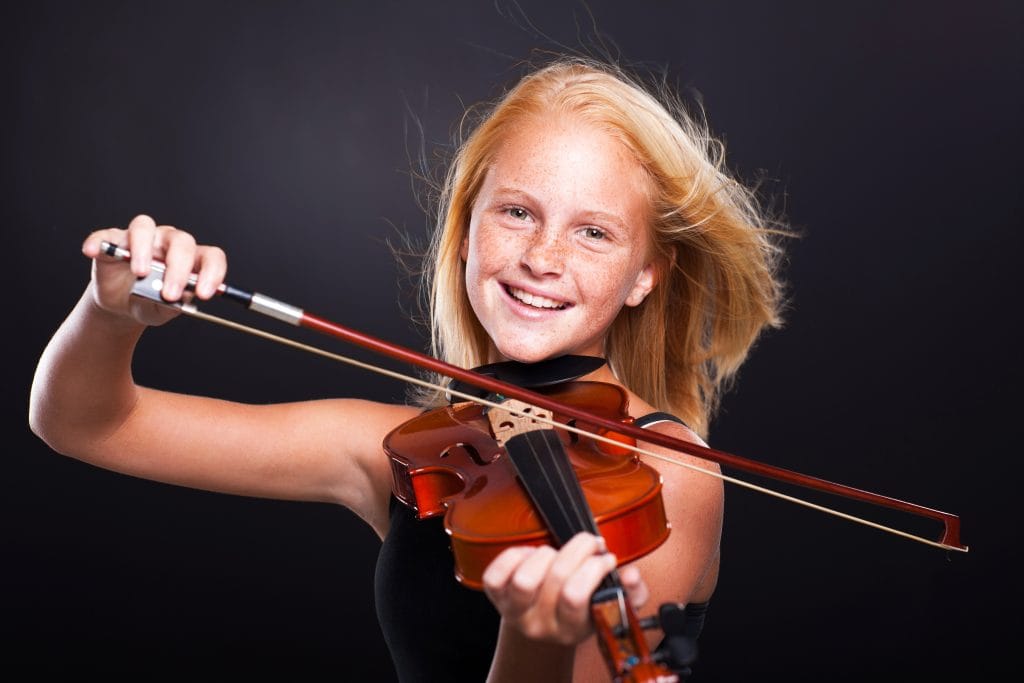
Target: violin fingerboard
[(546, 473)]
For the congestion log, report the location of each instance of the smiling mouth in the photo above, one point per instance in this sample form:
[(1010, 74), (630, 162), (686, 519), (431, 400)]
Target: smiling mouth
[(535, 300)]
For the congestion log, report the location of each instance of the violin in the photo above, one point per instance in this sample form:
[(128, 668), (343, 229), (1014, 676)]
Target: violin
[(502, 478), (501, 451), (454, 461)]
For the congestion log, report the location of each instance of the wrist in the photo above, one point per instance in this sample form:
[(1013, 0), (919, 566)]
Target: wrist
[(519, 658), (113, 321)]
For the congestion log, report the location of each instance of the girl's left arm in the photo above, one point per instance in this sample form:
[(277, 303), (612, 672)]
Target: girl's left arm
[(543, 595)]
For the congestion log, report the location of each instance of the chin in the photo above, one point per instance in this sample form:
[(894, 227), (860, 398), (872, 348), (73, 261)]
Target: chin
[(524, 355)]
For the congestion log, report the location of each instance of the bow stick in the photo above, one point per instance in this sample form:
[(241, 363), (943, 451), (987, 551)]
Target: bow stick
[(150, 286)]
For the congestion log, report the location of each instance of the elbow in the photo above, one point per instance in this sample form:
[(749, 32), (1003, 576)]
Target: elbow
[(49, 419), (74, 423), (58, 436), (42, 420)]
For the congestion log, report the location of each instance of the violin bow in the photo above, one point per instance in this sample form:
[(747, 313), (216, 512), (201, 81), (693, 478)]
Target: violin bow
[(149, 287)]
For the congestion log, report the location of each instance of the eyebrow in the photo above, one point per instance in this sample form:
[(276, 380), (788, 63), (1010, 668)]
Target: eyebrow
[(503, 192)]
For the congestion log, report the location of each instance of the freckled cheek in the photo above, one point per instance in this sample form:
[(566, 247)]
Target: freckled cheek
[(610, 286), (491, 249), (602, 277)]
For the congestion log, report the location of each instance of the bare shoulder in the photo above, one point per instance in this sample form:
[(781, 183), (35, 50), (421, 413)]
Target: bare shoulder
[(677, 461), (685, 567), (691, 485), (671, 462)]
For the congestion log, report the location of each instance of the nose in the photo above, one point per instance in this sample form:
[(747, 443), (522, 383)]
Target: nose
[(544, 254)]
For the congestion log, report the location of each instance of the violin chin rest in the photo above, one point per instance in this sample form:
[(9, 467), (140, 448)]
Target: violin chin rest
[(532, 375)]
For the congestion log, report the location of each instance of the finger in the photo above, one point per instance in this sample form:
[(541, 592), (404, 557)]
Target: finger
[(636, 587), (91, 246), (573, 609), (573, 554), (577, 567), (524, 585), (179, 248), (582, 545), (571, 558), (577, 590), (499, 572), (212, 266), (141, 231)]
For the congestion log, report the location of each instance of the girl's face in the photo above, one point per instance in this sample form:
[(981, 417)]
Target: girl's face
[(558, 241)]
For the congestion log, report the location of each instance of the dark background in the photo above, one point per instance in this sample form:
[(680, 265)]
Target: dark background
[(288, 132)]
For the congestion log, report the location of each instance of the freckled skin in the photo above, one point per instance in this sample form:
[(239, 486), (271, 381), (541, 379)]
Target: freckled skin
[(562, 214)]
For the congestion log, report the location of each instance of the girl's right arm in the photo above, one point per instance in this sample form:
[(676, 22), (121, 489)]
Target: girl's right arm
[(84, 402)]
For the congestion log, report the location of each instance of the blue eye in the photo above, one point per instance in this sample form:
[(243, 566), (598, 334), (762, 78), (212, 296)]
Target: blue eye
[(518, 212), (594, 233)]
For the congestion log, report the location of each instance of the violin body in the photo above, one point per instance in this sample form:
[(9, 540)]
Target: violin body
[(448, 461)]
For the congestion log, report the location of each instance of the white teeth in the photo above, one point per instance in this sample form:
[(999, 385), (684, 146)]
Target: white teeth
[(534, 299)]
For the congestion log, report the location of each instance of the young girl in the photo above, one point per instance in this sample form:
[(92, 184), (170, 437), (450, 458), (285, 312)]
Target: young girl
[(583, 215)]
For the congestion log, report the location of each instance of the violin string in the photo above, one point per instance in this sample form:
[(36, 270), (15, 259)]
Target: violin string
[(191, 310), (543, 465), (559, 475), (556, 467), (555, 503)]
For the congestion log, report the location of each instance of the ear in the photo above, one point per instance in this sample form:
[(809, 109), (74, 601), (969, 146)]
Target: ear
[(464, 249), (646, 279)]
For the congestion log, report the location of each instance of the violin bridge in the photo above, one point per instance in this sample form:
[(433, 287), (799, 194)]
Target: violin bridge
[(516, 417)]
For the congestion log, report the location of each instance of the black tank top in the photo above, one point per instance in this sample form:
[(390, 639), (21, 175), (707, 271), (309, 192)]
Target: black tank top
[(436, 629)]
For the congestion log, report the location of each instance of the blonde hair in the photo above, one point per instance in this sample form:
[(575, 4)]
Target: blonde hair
[(717, 286)]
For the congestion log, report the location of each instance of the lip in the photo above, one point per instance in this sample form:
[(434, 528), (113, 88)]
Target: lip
[(533, 311)]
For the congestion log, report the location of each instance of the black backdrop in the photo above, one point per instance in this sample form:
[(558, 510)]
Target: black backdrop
[(890, 133)]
